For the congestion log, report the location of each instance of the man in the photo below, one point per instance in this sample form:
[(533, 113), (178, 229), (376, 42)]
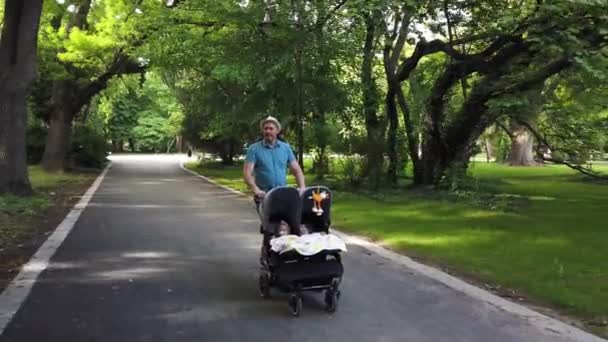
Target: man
[(266, 166), (267, 161)]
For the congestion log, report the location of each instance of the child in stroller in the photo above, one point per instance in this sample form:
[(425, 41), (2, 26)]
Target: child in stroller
[(294, 263)]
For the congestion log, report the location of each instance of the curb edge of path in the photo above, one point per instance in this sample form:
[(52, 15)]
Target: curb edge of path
[(18, 290), (543, 322)]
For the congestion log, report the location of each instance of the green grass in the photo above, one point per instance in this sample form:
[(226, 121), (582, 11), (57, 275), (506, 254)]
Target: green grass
[(16, 213), (551, 250)]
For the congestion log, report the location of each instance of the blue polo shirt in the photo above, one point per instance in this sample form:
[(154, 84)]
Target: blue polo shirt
[(271, 162)]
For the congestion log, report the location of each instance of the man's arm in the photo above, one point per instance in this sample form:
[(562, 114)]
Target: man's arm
[(250, 180), (296, 170)]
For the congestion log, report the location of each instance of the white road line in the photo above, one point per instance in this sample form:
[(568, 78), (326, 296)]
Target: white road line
[(548, 325), (15, 294)]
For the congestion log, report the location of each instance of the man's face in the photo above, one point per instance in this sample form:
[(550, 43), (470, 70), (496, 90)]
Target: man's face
[(270, 132)]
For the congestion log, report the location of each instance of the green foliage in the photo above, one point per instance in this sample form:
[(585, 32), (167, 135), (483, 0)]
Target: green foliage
[(15, 205), (151, 132), (351, 168), (146, 114), (36, 135), (89, 148), (575, 118), (214, 72)]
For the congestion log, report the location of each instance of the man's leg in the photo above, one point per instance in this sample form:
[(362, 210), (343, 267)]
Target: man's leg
[(258, 205), (265, 238)]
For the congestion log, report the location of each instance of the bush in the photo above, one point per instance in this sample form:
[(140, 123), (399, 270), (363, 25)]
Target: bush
[(457, 178), (36, 138), (502, 147), (351, 170), (88, 149)]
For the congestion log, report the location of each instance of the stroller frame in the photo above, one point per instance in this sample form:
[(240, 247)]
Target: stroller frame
[(290, 272)]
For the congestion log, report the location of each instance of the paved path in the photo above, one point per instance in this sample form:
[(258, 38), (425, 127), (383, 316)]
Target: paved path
[(160, 255)]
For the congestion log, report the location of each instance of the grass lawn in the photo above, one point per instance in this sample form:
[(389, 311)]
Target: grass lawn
[(18, 213), (551, 250)]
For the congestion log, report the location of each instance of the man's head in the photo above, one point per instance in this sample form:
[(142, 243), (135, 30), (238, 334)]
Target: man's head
[(271, 127)]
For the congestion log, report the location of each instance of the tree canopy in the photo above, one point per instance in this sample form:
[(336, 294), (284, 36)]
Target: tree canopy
[(396, 82)]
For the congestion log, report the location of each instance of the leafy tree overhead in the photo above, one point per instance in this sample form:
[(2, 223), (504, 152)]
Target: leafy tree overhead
[(396, 81)]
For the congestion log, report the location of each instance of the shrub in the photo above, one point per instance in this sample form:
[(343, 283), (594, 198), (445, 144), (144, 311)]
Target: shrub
[(351, 170), (88, 149), (36, 138)]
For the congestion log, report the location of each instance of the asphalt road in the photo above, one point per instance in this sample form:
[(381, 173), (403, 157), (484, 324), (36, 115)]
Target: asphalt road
[(161, 255)]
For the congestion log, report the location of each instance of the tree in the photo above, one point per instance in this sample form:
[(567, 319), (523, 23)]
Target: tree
[(572, 125), (514, 47), (141, 111), (522, 148), (85, 47), (18, 53)]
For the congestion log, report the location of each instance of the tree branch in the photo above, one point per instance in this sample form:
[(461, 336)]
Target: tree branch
[(540, 76), (412, 141), (401, 38), (504, 128), (582, 169), (321, 23), (205, 24), (424, 48), (121, 65), (447, 18)]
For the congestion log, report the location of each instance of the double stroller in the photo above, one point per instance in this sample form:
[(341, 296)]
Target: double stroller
[(290, 271)]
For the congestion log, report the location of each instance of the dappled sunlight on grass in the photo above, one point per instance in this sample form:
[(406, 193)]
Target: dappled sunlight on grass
[(464, 238)]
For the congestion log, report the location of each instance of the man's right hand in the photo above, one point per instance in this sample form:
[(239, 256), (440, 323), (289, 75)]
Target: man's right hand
[(259, 194)]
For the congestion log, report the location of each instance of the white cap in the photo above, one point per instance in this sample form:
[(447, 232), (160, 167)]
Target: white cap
[(270, 119)]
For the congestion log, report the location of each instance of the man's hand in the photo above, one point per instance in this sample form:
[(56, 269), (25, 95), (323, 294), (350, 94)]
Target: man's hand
[(259, 194)]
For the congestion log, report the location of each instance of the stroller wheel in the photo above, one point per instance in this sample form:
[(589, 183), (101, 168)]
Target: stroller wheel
[(331, 300), (295, 305), (264, 283)]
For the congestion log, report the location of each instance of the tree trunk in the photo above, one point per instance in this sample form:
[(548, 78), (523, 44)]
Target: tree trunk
[(321, 162), (132, 144), (13, 158), (433, 165), (57, 141), (225, 154), (179, 145), (522, 146), (300, 109), (393, 125), (18, 51), (394, 40), (434, 157), (413, 142), (375, 125), (487, 143)]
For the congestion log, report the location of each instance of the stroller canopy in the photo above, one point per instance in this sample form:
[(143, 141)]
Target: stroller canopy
[(316, 208), (282, 204)]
